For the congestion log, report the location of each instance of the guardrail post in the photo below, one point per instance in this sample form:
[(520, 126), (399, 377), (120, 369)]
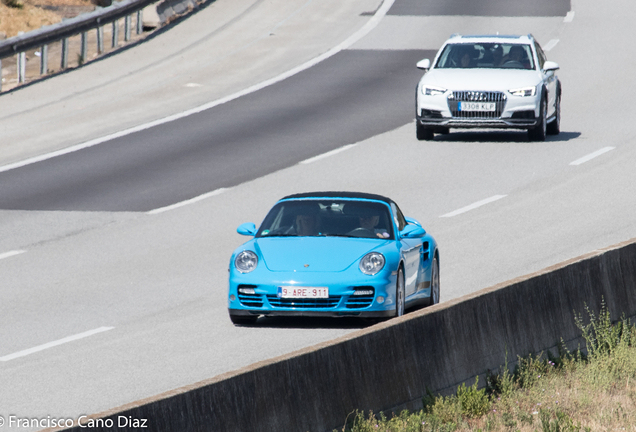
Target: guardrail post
[(1, 75), (140, 22), (44, 59), (64, 62), (115, 34), (21, 67), (127, 26), (84, 48), (100, 39)]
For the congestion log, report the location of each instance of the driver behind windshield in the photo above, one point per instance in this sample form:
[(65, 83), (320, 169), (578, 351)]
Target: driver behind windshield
[(307, 219), (368, 219), (307, 224)]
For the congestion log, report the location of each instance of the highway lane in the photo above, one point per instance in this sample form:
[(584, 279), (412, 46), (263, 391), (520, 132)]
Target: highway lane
[(492, 8), (222, 49), (159, 280), (349, 97)]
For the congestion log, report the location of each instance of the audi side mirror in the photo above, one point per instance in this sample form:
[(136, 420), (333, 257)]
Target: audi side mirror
[(424, 64)]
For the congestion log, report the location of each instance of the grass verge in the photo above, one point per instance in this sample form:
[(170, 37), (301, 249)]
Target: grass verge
[(569, 392)]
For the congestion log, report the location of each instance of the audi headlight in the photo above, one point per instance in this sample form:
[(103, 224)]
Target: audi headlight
[(372, 263), (433, 91), (246, 261), (526, 91)]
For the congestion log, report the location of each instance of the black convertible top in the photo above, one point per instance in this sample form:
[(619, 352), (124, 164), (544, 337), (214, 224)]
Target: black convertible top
[(332, 194)]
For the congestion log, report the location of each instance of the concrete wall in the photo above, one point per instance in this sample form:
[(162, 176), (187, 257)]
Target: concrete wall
[(393, 363)]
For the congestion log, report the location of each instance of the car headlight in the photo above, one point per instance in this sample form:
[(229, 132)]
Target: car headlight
[(246, 261), (433, 91), (372, 263), (526, 91)]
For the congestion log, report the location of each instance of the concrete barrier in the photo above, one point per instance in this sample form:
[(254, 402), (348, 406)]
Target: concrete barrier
[(392, 364)]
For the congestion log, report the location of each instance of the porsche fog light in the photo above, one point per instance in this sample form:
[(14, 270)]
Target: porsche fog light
[(248, 291), (372, 263), (246, 261), (526, 91), (432, 91), (380, 300), (363, 292)]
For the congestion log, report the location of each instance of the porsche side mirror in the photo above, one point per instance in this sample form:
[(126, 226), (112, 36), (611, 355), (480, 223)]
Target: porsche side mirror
[(424, 64), (247, 229), (550, 66), (412, 221), (412, 231)]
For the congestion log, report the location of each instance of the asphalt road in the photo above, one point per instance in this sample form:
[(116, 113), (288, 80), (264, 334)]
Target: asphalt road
[(80, 252)]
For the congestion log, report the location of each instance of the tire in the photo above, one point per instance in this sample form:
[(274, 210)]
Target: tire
[(434, 283), (554, 127), (243, 320), (400, 293), (423, 133), (538, 133)]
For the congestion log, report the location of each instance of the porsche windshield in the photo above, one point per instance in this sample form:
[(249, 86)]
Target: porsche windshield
[(329, 217), (486, 56)]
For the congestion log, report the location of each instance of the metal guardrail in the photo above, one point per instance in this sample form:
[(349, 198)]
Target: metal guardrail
[(82, 24)]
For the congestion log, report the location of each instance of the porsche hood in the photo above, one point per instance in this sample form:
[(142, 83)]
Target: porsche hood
[(313, 254)]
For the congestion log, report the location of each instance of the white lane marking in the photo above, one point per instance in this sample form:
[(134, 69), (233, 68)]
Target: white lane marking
[(11, 253), (329, 153), (193, 85), (550, 45), (187, 202), (26, 352), (592, 156), (569, 17), (370, 25), (474, 206)]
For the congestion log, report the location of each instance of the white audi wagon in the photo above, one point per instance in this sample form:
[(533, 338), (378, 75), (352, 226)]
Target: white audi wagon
[(489, 82)]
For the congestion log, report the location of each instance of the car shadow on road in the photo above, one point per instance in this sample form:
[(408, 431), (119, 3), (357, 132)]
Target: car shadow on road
[(313, 322), (500, 136)]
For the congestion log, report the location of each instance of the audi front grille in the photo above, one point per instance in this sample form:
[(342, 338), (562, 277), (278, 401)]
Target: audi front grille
[(477, 96)]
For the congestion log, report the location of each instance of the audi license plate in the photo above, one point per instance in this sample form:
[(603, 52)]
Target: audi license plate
[(476, 106), (303, 292)]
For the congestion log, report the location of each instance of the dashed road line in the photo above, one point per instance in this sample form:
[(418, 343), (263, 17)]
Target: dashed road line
[(188, 202), (474, 206), (359, 34), (551, 44), (329, 153), (11, 253), (592, 156), (38, 348)]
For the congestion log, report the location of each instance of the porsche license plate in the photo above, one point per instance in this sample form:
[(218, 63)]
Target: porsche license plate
[(303, 292), (477, 106)]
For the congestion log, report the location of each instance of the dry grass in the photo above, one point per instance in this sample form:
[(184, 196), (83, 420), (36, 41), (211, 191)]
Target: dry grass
[(27, 18), (27, 15)]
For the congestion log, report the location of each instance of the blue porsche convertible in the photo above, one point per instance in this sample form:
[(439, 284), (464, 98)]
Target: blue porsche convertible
[(336, 254)]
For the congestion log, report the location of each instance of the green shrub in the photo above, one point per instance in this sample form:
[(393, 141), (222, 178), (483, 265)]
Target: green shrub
[(530, 369), (17, 4), (474, 402), (601, 337), (560, 422), (501, 383)]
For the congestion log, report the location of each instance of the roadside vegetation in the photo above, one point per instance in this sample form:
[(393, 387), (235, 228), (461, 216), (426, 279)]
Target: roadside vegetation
[(568, 392), (16, 16)]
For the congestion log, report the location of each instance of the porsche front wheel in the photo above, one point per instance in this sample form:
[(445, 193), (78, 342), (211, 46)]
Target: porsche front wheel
[(434, 282), (399, 293)]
